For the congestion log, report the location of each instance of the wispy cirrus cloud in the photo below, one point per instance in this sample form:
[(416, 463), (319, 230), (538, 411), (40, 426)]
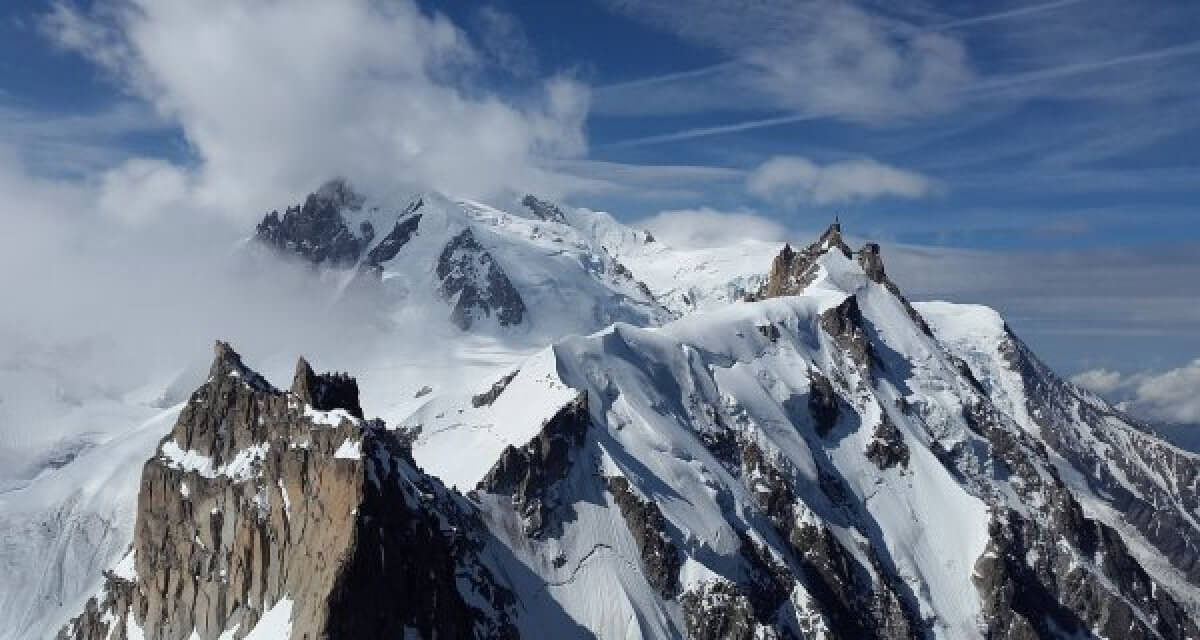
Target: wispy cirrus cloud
[(886, 63), (822, 59)]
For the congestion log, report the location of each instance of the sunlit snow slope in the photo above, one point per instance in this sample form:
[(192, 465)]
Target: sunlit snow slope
[(826, 461)]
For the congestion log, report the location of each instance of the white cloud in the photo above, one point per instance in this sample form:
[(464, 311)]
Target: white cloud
[(1169, 396), (140, 189), (797, 180), (1098, 380), (705, 227), (275, 97)]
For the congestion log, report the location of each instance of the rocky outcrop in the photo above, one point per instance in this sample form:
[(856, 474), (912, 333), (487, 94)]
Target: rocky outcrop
[(846, 325), (792, 271), (326, 391), (488, 397), (259, 498), (718, 610), (406, 227), (318, 233), (544, 210), (479, 288), (886, 448), (315, 230), (1057, 571), (660, 558), (871, 261), (530, 474), (822, 402)]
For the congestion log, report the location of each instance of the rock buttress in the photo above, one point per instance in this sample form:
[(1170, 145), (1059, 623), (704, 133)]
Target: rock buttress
[(257, 496)]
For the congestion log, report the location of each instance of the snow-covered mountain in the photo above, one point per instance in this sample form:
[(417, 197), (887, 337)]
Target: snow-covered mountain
[(732, 443), (529, 272)]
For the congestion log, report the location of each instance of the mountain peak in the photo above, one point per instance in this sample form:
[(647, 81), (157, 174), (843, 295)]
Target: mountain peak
[(326, 391), (832, 238), (340, 193), (792, 271), (227, 363)]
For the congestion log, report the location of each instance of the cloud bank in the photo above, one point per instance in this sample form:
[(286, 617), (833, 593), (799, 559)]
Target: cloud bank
[(275, 97), (706, 227), (120, 266), (1170, 396), (798, 180)]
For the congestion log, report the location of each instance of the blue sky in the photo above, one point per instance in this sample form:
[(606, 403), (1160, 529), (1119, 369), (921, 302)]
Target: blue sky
[(1073, 125), (1056, 140)]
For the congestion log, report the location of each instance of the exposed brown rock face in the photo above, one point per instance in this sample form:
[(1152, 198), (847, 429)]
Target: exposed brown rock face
[(259, 495), (792, 271)]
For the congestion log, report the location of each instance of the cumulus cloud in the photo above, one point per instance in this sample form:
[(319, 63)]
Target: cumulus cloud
[(1098, 380), (706, 227), (798, 180), (119, 269), (275, 97), (1169, 396)]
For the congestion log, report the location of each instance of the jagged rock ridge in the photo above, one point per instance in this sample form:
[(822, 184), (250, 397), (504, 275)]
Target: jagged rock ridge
[(260, 499)]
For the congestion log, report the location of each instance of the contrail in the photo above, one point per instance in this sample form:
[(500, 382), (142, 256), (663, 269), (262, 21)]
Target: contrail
[(1026, 77), (1002, 82), (1002, 15), (700, 132)]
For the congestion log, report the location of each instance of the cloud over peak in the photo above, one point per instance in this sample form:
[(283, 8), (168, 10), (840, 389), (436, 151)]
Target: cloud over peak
[(275, 97), (795, 180)]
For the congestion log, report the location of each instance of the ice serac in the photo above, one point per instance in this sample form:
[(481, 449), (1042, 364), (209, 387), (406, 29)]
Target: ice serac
[(260, 499)]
